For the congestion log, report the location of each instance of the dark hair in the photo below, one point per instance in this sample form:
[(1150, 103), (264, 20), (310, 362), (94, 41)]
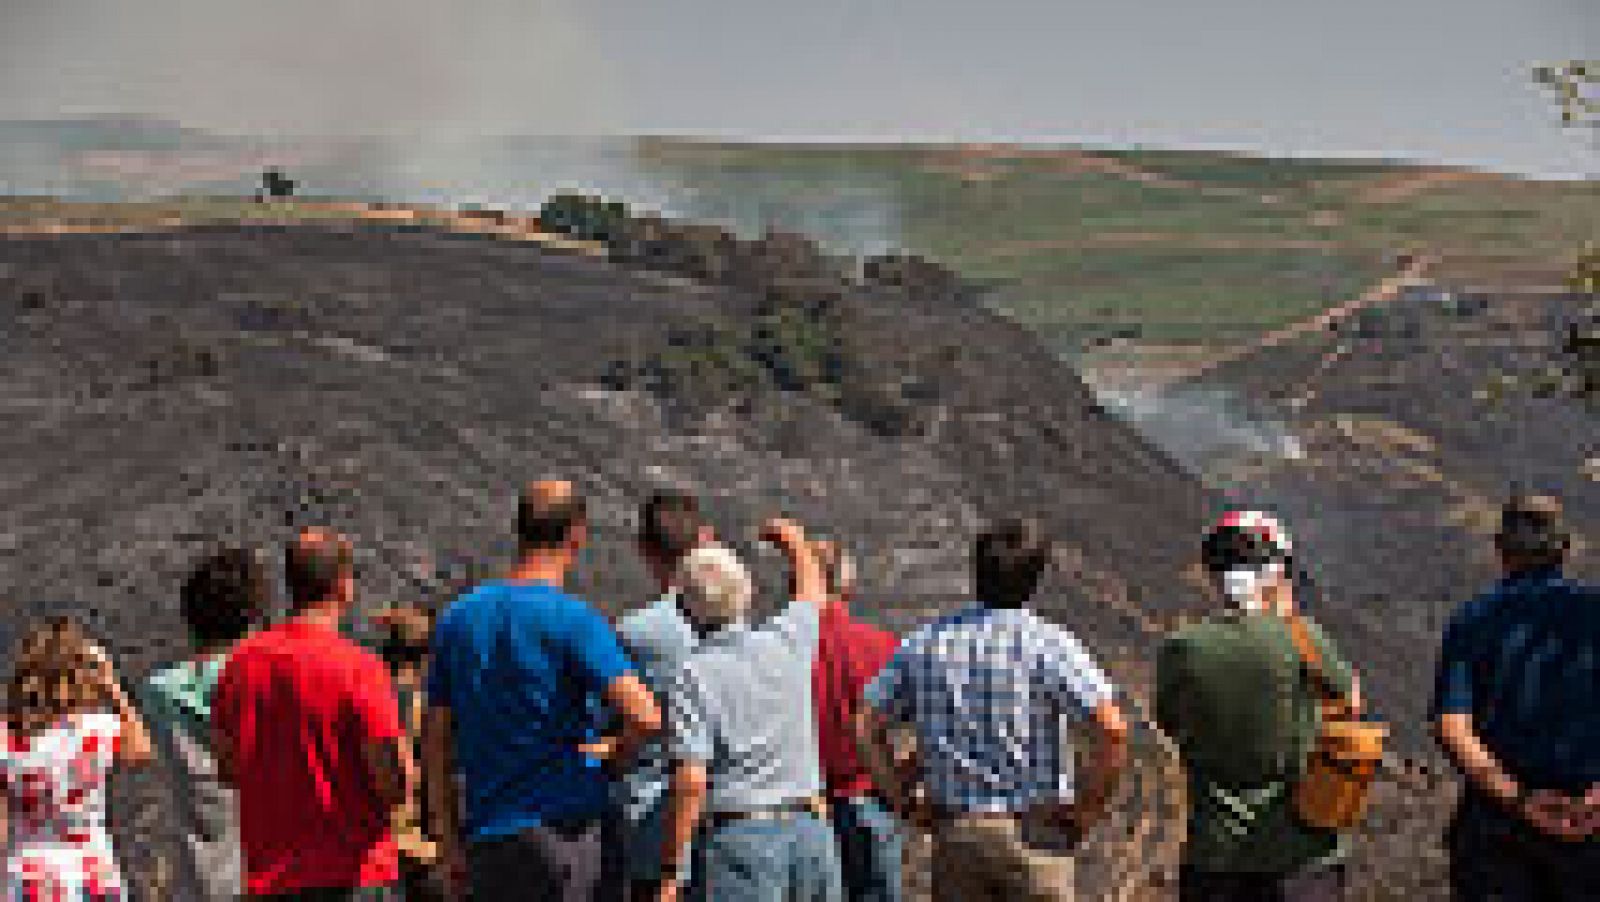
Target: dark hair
[(313, 566), (1008, 561), (1230, 547), (1532, 531), (406, 632), (224, 594), (545, 523), (670, 525)]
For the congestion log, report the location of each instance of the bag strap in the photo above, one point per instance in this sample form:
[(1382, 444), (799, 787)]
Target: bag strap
[(1333, 701)]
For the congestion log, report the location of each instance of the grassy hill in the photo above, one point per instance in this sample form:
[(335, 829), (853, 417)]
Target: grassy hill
[(1159, 246), (1169, 246)]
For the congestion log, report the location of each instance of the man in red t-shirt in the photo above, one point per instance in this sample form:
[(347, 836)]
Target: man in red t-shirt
[(849, 654), (308, 732)]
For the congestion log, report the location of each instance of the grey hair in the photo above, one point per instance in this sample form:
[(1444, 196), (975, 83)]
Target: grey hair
[(715, 588)]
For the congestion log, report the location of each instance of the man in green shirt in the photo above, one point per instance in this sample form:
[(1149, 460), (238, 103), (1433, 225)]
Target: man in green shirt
[(1234, 696)]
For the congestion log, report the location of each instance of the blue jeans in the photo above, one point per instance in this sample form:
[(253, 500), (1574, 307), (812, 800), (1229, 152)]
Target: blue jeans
[(787, 860), (871, 850)]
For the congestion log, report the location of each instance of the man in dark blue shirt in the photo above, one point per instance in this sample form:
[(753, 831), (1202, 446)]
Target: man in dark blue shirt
[(1517, 707), (518, 673)]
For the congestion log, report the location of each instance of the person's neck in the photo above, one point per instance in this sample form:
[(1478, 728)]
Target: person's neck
[(1525, 569), (320, 613), (207, 652), (549, 567)]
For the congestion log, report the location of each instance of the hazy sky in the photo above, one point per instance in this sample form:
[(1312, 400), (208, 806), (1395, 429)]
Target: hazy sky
[(1437, 79)]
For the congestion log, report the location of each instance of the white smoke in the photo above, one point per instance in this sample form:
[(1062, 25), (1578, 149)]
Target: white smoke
[(1209, 431), (308, 67)]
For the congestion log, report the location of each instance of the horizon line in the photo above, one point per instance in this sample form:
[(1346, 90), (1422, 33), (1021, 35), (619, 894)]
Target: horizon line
[(1397, 159)]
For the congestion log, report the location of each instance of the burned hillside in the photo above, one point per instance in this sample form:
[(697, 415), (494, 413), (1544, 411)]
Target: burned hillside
[(1415, 420), (166, 390)]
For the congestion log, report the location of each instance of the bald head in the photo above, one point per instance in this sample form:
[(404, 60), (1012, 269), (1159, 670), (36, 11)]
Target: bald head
[(550, 515), (318, 566)]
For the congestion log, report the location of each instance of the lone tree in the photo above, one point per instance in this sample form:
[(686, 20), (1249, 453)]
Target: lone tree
[(276, 185)]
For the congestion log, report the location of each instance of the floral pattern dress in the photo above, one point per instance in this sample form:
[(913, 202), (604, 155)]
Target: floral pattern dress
[(55, 789)]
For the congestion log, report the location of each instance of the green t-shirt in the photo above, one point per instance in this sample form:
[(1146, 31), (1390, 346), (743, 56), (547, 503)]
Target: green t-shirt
[(1232, 693)]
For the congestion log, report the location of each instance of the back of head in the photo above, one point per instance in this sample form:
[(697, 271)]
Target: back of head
[(715, 588), (548, 515), (51, 675), (1247, 553), (224, 594), (1008, 561), (670, 526), (407, 630), (1532, 531), (315, 564)]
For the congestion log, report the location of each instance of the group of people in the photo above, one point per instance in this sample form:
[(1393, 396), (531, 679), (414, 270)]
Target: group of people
[(520, 745)]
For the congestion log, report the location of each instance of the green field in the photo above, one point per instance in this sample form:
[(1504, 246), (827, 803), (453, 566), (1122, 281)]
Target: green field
[(1083, 244), (1168, 246)]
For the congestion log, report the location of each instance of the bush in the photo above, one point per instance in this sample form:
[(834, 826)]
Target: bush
[(584, 217)]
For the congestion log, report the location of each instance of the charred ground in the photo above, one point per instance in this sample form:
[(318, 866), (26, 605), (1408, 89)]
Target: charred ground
[(163, 391)]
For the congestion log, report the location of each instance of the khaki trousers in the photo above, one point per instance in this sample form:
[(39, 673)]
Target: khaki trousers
[(986, 859)]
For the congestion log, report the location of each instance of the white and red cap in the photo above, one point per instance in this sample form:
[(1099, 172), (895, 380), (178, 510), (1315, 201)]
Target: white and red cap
[(1245, 549), (1261, 526)]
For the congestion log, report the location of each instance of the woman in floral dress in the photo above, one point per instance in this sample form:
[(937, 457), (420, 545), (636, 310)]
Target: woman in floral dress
[(67, 723)]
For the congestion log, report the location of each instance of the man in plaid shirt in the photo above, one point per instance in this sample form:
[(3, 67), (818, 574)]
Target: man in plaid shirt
[(986, 691)]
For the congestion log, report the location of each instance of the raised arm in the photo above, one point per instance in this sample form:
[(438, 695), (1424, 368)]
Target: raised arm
[(807, 581), (134, 747)]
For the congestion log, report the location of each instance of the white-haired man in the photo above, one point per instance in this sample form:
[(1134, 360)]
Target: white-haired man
[(742, 738)]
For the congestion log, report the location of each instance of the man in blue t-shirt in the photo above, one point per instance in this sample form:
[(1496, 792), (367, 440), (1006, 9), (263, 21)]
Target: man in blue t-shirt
[(519, 672), (1515, 705)]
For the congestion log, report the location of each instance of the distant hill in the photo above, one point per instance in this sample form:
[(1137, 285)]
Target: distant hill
[(1087, 245)]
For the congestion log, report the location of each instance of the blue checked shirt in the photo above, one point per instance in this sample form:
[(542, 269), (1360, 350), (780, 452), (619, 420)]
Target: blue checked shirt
[(988, 693)]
